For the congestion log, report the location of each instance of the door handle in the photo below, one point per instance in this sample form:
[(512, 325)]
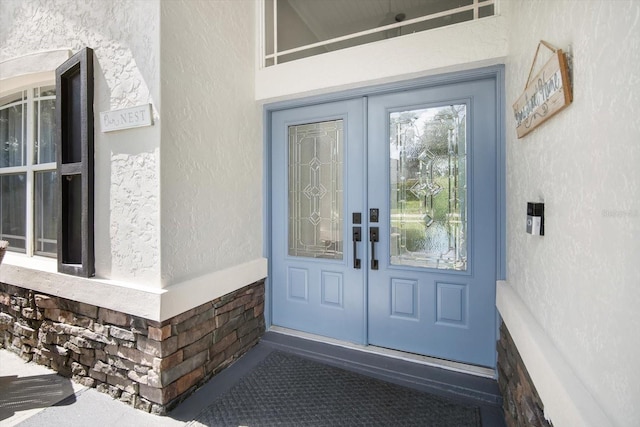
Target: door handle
[(357, 236), (374, 236)]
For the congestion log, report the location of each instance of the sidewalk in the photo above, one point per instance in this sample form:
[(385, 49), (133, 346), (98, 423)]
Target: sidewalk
[(32, 395)]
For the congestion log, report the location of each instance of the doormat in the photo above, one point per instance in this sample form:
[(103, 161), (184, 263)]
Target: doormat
[(288, 390)]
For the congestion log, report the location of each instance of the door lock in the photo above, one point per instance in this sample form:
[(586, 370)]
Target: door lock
[(373, 215), (356, 217)]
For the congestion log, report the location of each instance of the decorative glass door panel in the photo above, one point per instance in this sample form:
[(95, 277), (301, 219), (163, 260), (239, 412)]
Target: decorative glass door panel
[(428, 195), (433, 156), (315, 190), (317, 181)]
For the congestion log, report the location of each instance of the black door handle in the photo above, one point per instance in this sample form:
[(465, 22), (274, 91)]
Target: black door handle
[(374, 236), (357, 236)]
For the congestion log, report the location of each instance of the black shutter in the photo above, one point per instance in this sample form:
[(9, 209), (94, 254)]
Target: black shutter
[(74, 145)]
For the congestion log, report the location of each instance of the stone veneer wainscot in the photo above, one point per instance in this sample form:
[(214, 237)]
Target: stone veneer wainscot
[(521, 402), (149, 365)]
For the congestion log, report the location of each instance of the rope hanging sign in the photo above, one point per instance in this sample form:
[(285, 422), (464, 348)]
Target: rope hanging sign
[(548, 92)]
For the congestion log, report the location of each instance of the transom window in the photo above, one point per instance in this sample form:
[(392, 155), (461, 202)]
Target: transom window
[(28, 176), (295, 29)]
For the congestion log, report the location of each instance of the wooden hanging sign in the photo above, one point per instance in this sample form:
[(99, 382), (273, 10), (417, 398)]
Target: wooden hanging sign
[(547, 93)]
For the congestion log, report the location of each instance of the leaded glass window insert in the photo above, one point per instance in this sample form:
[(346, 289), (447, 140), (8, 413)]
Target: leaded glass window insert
[(316, 190), (428, 166)]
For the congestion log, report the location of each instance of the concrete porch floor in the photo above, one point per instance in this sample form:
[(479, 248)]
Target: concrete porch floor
[(32, 395)]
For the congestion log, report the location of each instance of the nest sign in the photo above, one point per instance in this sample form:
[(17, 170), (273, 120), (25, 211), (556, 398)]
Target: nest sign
[(126, 118)]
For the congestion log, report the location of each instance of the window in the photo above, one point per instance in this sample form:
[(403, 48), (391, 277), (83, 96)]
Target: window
[(28, 175), (46, 168), (295, 29)]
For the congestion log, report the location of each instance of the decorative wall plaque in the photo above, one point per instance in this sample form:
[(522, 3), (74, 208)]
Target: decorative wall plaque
[(547, 93), (126, 118)]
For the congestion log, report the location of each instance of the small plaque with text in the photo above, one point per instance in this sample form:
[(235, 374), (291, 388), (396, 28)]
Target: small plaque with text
[(126, 118)]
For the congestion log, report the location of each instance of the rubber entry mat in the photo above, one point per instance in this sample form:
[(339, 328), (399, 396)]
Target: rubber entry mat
[(287, 390)]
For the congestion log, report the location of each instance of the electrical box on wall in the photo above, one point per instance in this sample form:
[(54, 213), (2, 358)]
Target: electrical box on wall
[(535, 219)]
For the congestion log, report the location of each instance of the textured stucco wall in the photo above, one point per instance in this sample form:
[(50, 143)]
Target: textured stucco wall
[(125, 37), (581, 281), (211, 185)]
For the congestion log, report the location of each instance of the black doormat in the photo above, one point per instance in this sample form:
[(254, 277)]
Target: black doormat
[(287, 390)]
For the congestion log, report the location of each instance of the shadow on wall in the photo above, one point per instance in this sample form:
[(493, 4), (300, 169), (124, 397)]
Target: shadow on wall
[(102, 177), (33, 392)]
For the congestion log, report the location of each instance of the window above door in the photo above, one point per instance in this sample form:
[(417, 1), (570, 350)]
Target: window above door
[(295, 29)]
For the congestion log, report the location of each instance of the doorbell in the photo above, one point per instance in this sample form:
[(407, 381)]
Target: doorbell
[(535, 219)]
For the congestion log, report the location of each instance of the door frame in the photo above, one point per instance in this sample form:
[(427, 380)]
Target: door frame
[(496, 72)]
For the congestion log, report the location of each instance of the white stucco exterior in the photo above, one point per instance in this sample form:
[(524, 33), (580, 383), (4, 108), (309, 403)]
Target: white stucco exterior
[(125, 38), (179, 204), (580, 282), (210, 186), (211, 140)]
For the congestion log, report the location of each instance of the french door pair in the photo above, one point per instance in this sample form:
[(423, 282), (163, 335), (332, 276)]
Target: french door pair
[(384, 220)]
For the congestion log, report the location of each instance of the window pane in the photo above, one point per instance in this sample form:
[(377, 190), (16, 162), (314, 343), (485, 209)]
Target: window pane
[(486, 11), (268, 26), (46, 213), (13, 207), (45, 129), (315, 190), (12, 122), (429, 187), (302, 23), (48, 91)]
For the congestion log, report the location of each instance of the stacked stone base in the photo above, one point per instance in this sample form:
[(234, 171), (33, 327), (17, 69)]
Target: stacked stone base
[(521, 402), (149, 365)]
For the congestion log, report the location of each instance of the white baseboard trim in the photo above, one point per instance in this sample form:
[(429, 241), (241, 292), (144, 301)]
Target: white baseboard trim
[(566, 400), (186, 295), (40, 275), (150, 303)]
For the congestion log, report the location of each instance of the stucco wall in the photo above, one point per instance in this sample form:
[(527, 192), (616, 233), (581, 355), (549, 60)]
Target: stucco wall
[(581, 280), (211, 194), (125, 37)]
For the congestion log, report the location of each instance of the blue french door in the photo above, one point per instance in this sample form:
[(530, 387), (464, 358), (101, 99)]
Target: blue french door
[(435, 153), (384, 220), (317, 183)]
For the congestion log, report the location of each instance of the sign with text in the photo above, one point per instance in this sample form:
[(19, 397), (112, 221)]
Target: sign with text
[(547, 93), (126, 118)]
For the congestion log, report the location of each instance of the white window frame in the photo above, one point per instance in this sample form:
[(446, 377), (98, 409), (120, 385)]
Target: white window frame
[(267, 57), (30, 168)]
